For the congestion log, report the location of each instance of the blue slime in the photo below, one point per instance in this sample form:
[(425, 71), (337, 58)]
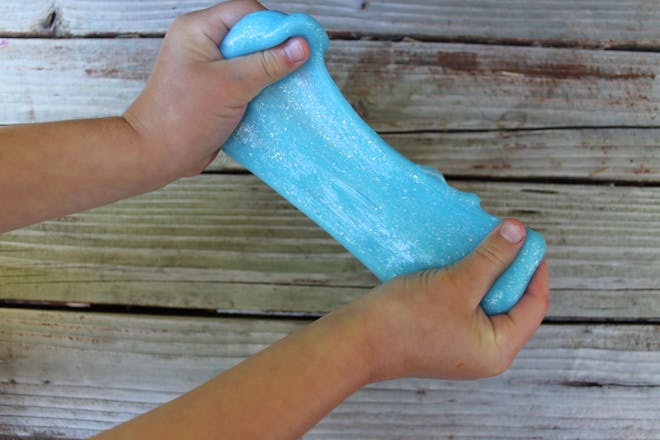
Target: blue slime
[(304, 139)]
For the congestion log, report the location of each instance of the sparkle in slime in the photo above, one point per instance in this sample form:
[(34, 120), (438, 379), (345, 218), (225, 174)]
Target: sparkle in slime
[(303, 139)]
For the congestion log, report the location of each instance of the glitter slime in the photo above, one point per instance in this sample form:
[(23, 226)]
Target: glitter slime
[(302, 138)]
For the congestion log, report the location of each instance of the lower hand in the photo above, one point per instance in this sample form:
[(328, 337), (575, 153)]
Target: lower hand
[(429, 324)]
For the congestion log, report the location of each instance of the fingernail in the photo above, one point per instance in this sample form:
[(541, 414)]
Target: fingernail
[(511, 232), (294, 50)]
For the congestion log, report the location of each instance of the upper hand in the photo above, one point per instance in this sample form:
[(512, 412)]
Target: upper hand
[(194, 99)]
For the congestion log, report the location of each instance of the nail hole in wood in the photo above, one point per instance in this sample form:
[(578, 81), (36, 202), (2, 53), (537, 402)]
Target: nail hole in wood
[(51, 20)]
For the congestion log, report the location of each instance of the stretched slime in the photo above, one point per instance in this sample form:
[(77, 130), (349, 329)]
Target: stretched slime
[(303, 139)]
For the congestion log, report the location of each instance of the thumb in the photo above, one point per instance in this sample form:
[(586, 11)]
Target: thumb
[(479, 270), (252, 73)]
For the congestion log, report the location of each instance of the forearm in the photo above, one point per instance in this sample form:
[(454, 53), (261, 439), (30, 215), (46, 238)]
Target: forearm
[(279, 393), (53, 169)]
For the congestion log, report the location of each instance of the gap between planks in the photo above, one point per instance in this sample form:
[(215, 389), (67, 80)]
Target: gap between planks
[(623, 24), (393, 38), (303, 317)]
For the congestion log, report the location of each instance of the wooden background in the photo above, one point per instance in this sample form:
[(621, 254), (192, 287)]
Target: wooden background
[(547, 109)]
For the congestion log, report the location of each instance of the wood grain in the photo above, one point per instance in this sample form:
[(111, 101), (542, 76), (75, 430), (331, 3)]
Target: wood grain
[(229, 242), (627, 23), (394, 86), (66, 374), (602, 155), (502, 105)]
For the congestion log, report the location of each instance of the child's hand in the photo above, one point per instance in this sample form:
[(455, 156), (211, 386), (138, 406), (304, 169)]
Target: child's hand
[(430, 324), (194, 99)]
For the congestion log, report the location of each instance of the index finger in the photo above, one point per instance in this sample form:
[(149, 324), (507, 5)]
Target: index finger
[(216, 21), (515, 328)]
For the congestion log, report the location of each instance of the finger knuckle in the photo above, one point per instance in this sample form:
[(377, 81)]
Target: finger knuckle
[(492, 255), (502, 363), (546, 304), (270, 65), (507, 361), (181, 22)]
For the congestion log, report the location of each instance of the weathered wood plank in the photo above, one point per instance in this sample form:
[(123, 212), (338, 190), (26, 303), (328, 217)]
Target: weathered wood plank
[(402, 86), (28, 17), (611, 155), (229, 242), (67, 374), (590, 23)]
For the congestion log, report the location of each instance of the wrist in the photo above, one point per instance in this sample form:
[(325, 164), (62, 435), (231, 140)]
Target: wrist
[(156, 171), (363, 339), (382, 338), (349, 343)]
